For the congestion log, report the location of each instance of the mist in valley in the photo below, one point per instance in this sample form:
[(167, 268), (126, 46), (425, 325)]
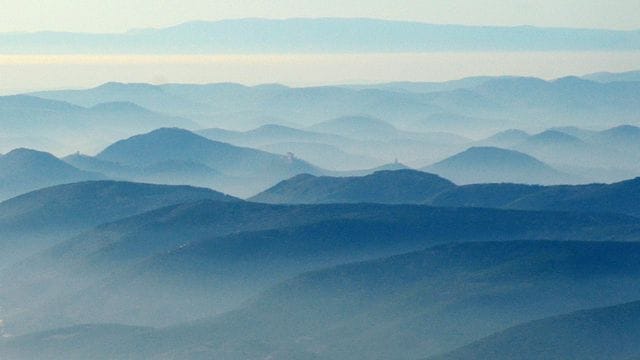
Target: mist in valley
[(328, 188)]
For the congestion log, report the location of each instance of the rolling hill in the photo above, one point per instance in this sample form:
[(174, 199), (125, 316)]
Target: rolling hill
[(486, 195), (623, 137), (561, 149), (326, 156), (491, 165), (270, 134), (357, 127), (168, 172), (620, 197), (23, 170), (606, 77), (373, 129), (551, 140), (329, 151), (602, 333), (386, 187), (345, 143), (600, 156), (196, 160), (415, 187), (41, 218), (111, 264), (494, 104), (409, 306), (575, 131), (393, 166), (72, 127), (177, 144), (506, 138)]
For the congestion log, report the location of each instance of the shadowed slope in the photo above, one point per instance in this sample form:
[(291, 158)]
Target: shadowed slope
[(387, 187)]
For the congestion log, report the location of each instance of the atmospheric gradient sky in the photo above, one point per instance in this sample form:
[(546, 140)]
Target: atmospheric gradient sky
[(28, 73), (122, 15)]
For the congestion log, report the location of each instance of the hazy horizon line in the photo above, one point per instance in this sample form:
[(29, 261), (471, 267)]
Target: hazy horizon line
[(390, 20), (352, 82), (30, 73)]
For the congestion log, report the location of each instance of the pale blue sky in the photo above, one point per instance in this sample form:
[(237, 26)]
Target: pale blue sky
[(121, 15)]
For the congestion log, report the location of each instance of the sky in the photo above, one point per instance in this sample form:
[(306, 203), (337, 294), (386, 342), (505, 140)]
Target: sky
[(20, 73), (122, 15), (30, 73)]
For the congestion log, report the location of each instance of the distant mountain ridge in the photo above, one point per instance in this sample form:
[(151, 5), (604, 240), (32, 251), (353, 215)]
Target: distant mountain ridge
[(482, 107), (608, 155), (612, 77), (357, 127), (269, 134), (506, 138), (312, 35), (415, 187), (344, 143), (69, 127)]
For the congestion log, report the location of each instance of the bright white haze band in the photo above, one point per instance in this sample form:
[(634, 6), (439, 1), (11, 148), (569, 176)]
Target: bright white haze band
[(20, 73)]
